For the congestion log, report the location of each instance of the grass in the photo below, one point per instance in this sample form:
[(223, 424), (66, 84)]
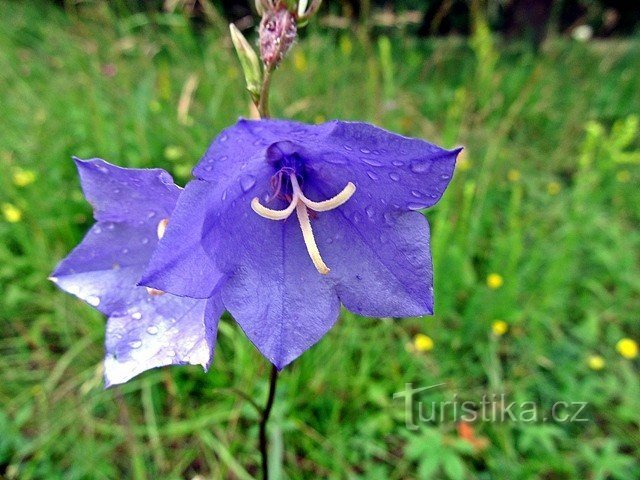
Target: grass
[(545, 196)]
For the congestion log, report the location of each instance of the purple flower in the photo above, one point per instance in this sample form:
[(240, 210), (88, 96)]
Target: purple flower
[(146, 328), (357, 239)]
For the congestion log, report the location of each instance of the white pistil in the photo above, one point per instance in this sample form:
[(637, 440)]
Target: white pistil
[(162, 228), (300, 204)]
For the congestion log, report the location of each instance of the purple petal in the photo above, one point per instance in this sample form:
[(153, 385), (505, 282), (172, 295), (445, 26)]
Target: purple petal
[(127, 194), (158, 331), (275, 293)]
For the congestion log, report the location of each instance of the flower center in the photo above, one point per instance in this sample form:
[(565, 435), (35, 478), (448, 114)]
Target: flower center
[(301, 204)]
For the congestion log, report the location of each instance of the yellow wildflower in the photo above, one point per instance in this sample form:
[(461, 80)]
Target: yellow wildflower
[(553, 188), (22, 178), (12, 214), (628, 348), (514, 175), (299, 61), (499, 328), (494, 281), (422, 343), (595, 362)]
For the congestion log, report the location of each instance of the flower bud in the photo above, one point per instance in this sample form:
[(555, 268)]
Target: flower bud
[(278, 31), (248, 60)]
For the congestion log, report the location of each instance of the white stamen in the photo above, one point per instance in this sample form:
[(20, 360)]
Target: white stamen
[(325, 205), (300, 203), (162, 227), (274, 214), (309, 239)]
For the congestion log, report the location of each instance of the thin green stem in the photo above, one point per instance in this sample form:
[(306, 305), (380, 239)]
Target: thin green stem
[(263, 422), (263, 102)]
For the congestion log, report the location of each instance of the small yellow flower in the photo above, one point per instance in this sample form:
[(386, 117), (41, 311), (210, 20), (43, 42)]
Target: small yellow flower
[(514, 175), (628, 348), (494, 281), (299, 61), (22, 178), (499, 328), (553, 188), (595, 362), (173, 152), (346, 47), (422, 343), (12, 214), (623, 176)]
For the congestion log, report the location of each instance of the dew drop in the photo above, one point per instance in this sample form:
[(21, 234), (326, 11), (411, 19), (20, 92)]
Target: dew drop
[(93, 300), (394, 176), (397, 163), (111, 226), (224, 195), (208, 168), (347, 147), (365, 150), (372, 175), (370, 211), (125, 251), (444, 176), (415, 206), (416, 193), (152, 330), (144, 241), (136, 315), (417, 167), (135, 344), (116, 191), (151, 214), (372, 162), (97, 230), (223, 137), (357, 217), (247, 182)]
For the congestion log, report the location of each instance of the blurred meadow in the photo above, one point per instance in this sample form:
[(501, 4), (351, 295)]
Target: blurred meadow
[(536, 248)]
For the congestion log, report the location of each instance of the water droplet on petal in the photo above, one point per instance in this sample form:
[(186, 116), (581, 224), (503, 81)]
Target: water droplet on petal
[(151, 214), (389, 218), (372, 162), (247, 182), (415, 206), (394, 176), (370, 211), (417, 167), (372, 175), (365, 150), (347, 147), (116, 191), (397, 163), (125, 251), (93, 300), (356, 217), (223, 137), (152, 330), (97, 230), (135, 344), (416, 193), (224, 195), (111, 226), (136, 315), (444, 176), (144, 241)]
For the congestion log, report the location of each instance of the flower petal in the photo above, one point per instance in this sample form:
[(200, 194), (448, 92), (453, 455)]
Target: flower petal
[(157, 331), (104, 268), (274, 292), (400, 172), (127, 194)]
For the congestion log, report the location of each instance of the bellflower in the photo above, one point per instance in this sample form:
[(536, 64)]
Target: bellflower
[(287, 221), (146, 328)]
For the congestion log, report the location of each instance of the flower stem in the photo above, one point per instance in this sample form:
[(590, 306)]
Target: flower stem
[(263, 102), (263, 422)]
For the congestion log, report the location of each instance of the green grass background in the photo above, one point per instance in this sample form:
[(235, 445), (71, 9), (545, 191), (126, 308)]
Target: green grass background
[(90, 84)]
